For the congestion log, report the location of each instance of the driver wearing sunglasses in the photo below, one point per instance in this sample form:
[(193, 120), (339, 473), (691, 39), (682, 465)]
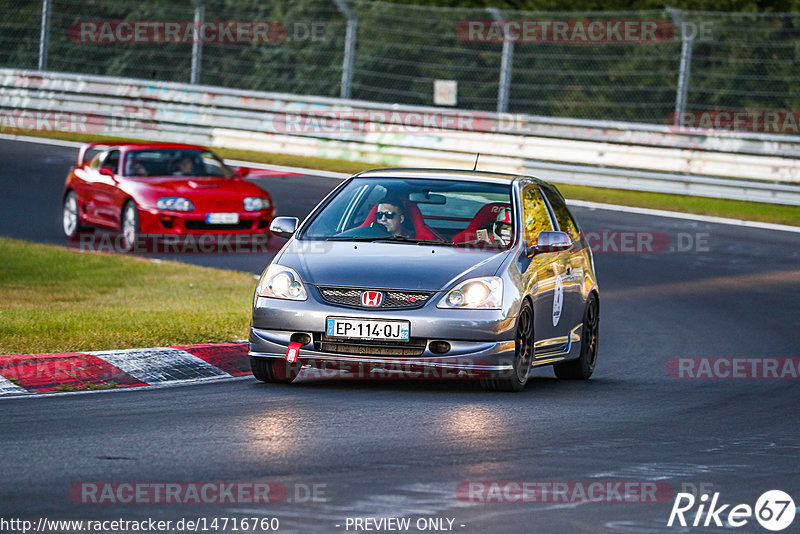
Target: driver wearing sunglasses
[(390, 216)]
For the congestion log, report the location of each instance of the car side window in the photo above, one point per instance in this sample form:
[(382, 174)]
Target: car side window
[(112, 160), (366, 205), (563, 217), (535, 215)]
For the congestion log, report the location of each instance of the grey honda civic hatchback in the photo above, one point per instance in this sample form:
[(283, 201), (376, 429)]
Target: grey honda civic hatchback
[(429, 273)]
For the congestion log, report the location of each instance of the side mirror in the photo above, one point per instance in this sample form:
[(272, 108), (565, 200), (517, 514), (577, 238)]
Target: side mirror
[(106, 171), (241, 172), (551, 242), (284, 226)]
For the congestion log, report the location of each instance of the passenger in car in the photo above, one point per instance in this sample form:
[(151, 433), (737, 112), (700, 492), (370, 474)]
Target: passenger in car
[(185, 167)]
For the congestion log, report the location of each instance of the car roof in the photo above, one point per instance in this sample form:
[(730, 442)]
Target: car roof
[(162, 145), (448, 174), (130, 145)]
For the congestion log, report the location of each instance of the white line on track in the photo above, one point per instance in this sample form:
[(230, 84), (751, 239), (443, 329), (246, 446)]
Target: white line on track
[(579, 203), (282, 168), (686, 216)]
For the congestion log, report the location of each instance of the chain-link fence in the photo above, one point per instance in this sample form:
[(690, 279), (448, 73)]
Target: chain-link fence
[(633, 66)]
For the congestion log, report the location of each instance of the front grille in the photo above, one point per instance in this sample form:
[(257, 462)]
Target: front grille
[(413, 347), (392, 299), (202, 225)]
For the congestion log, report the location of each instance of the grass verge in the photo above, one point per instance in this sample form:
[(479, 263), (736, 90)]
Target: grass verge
[(57, 300), (734, 209)]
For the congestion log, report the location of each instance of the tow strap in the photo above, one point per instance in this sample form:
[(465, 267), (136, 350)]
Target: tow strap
[(293, 351)]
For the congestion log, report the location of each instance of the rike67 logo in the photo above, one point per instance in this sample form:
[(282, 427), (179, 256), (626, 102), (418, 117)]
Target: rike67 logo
[(774, 510)]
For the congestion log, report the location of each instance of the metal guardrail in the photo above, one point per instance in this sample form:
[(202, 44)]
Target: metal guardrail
[(751, 166)]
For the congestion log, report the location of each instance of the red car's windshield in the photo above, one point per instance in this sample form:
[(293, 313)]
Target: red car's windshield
[(174, 162)]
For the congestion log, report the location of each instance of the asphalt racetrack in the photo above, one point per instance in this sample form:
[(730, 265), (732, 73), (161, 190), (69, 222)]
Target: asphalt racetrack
[(404, 448)]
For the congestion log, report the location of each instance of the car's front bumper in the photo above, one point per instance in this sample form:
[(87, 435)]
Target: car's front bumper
[(155, 221), (480, 340)]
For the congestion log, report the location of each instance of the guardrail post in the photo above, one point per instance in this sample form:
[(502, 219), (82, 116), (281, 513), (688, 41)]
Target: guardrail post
[(197, 44), (687, 42), (44, 37), (349, 47), (505, 65)]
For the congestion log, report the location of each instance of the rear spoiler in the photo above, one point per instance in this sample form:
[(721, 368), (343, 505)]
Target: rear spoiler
[(85, 148)]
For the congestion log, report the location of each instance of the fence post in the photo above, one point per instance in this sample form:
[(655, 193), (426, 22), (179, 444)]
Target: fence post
[(506, 62), (685, 67), (197, 44), (349, 47), (44, 37)]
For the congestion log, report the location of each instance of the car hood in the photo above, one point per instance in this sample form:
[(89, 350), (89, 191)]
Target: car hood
[(206, 193), (190, 186), (386, 265)]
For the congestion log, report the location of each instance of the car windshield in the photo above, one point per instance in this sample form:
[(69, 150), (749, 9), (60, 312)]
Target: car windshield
[(174, 162), (446, 212)]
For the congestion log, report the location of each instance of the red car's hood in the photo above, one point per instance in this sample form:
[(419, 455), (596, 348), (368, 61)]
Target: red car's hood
[(205, 193), (188, 185)]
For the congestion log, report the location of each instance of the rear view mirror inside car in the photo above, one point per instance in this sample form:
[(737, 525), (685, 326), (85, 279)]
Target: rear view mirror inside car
[(426, 197)]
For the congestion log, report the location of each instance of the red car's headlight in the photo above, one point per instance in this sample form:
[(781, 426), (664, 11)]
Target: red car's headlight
[(174, 204), (256, 203)]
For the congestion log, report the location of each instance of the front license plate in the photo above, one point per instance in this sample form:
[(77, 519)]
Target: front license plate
[(367, 329), (222, 218)]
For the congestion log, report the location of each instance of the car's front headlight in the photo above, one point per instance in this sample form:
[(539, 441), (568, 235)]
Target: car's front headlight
[(484, 293), (256, 203), (281, 282), (174, 204)]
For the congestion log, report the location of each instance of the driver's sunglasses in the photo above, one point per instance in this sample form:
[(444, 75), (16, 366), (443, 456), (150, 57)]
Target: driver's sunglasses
[(388, 214)]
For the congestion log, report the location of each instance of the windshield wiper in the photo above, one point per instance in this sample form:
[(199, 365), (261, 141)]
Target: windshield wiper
[(355, 238), (479, 243), (393, 239)]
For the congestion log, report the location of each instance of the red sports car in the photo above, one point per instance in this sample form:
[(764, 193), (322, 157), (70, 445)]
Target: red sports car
[(161, 188)]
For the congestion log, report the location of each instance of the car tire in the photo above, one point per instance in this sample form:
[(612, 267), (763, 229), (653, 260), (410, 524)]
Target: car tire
[(71, 219), (582, 367), (274, 370), (129, 225), (524, 353)]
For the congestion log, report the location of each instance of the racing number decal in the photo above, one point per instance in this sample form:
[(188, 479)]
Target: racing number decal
[(558, 299)]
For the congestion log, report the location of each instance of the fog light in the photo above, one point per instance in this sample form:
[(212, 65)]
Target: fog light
[(439, 347), (303, 339)]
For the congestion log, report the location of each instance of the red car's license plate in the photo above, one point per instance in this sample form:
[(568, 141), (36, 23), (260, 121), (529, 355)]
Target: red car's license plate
[(222, 218)]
